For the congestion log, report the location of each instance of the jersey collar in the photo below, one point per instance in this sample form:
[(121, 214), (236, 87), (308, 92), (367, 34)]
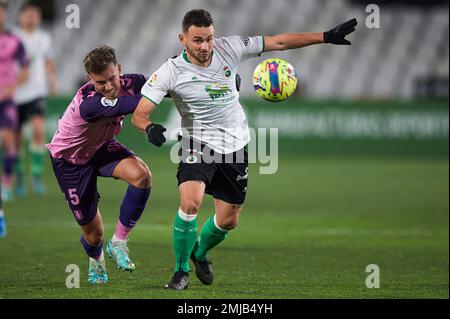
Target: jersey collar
[(185, 57)]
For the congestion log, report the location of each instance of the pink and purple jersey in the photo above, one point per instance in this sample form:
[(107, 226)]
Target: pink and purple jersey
[(91, 120), (12, 52)]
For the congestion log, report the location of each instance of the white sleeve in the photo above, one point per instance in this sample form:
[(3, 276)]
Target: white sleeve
[(157, 85), (245, 47)]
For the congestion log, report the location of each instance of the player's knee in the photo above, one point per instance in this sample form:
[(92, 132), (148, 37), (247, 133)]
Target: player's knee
[(229, 224), (141, 178), (145, 180), (190, 206), (94, 237)]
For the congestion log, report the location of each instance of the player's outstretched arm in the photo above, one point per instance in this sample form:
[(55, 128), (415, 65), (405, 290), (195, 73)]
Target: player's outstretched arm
[(141, 120), (286, 41)]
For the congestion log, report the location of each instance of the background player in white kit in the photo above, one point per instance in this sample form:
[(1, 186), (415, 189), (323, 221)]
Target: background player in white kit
[(201, 83), (14, 70), (31, 95)]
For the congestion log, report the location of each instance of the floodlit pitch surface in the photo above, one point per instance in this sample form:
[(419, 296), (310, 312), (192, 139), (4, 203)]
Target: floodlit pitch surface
[(308, 231)]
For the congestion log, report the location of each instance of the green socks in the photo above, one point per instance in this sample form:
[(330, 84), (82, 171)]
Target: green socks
[(36, 157), (184, 238), (36, 153), (20, 167), (210, 237)]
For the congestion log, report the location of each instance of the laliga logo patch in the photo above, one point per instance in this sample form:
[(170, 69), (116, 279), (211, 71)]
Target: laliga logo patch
[(153, 80), (191, 159), (108, 102)]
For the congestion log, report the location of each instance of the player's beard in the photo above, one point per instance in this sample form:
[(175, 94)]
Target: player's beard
[(202, 59)]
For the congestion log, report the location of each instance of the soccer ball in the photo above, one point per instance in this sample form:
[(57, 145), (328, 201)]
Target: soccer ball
[(274, 80)]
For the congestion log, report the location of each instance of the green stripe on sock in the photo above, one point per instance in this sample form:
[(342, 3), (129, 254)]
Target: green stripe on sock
[(210, 236), (184, 238)]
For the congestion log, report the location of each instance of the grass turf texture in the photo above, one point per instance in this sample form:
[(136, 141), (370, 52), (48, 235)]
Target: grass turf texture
[(308, 231)]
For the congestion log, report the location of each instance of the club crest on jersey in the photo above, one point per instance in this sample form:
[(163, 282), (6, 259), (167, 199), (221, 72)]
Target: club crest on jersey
[(108, 102), (191, 159), (227, 71)]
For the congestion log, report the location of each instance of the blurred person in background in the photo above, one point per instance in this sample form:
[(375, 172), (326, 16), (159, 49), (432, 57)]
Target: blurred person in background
[(14, 70), (2, 220), (31, 95)]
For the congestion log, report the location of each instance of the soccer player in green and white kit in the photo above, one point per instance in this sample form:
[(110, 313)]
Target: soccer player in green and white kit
[(213, 123)]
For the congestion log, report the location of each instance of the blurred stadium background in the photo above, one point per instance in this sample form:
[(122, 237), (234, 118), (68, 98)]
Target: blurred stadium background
[(396, 61), (363, 165)]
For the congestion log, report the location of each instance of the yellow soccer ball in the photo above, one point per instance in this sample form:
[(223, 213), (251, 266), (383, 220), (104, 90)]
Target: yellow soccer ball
[(274, 80)]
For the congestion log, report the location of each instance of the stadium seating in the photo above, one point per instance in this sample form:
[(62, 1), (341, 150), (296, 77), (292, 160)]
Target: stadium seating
[(412, 42)]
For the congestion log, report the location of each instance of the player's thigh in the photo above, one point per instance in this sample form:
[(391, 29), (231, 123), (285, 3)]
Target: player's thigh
[(8, 139), (115, 160), (227, 214), (8, 116), (78, 183), (134, 171), (34, 112), (8, 125), (191, 195)]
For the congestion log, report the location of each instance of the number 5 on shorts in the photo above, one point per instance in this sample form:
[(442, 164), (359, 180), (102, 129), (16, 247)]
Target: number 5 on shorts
[(74, 199)]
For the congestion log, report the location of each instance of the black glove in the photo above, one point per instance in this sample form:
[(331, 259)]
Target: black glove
[(337, 35), (155, 134)]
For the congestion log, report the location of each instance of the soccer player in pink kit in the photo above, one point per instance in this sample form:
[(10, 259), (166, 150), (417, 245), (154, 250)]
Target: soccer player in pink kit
[(84, 147), (13, 72)]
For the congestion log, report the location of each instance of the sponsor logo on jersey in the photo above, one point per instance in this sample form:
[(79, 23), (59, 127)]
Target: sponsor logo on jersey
[(108, 102), (241, 177), (217, 90)]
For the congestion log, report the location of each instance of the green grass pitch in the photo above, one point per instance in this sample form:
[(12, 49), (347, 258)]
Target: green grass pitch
[(308, 231)]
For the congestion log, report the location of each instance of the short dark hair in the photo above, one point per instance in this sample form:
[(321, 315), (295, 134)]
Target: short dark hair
[(30, 5), (99, 59), (4, 4), (198, 18)]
